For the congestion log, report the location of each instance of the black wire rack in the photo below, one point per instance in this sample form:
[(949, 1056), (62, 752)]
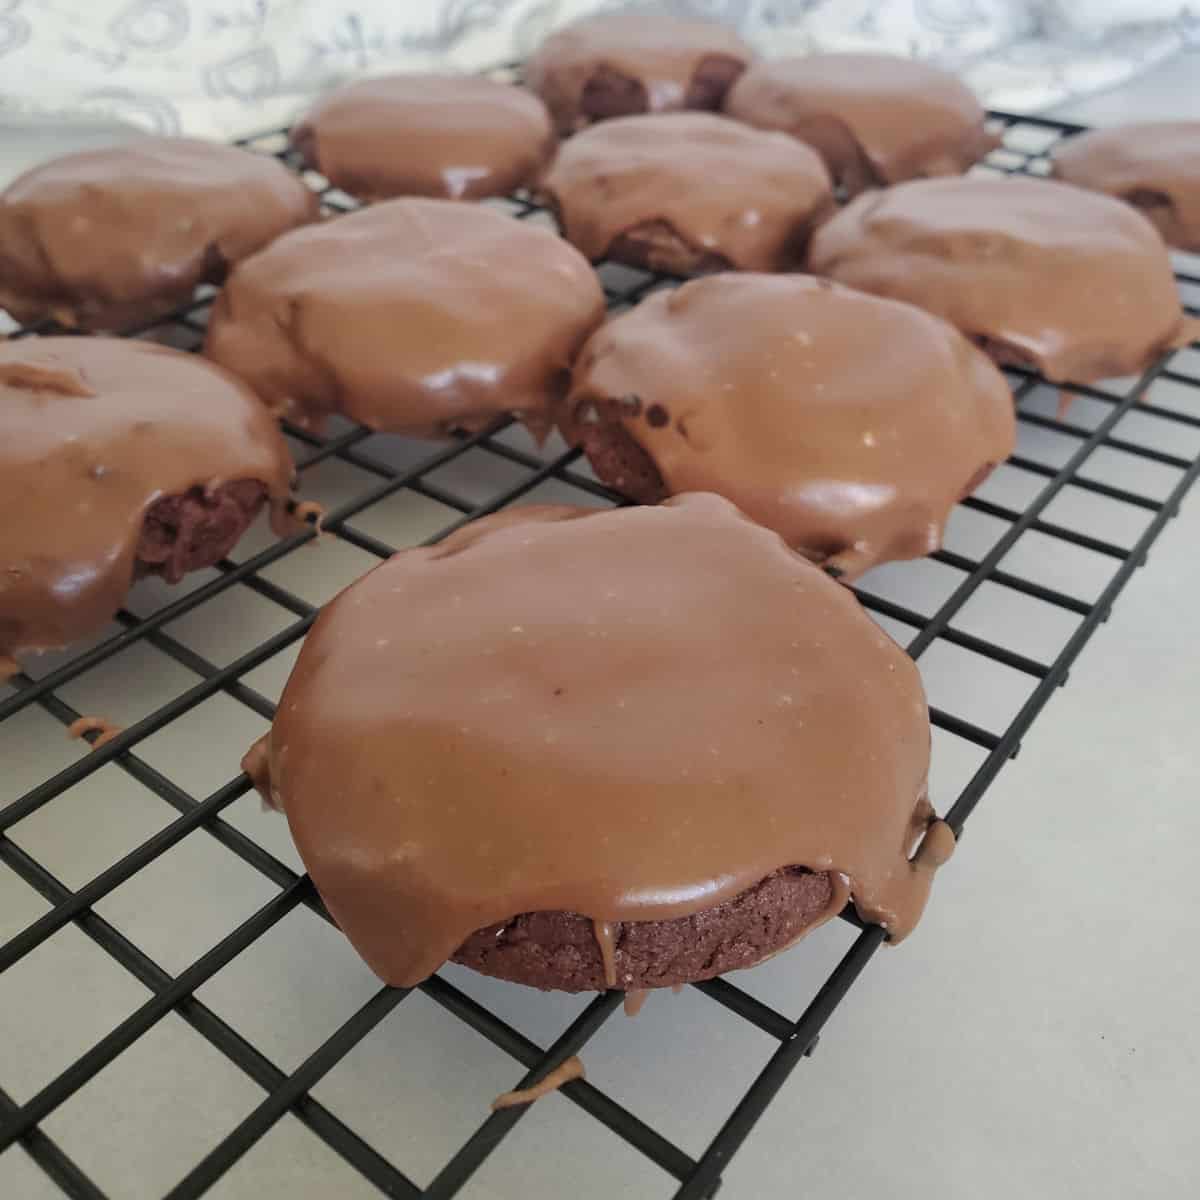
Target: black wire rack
[(1107, 429)]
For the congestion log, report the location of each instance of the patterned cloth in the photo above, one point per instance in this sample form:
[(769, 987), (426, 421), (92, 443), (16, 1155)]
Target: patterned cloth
[(224, 67)]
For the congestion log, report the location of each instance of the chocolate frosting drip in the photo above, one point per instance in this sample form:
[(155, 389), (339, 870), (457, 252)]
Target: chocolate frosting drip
[(728, 190), (106, 238), (560, 950), (563, 710), (454, 136), (411, 316), (94, 432), (876, 118), (653, 63), (1154, 166), (1041, 273), (757, 387)]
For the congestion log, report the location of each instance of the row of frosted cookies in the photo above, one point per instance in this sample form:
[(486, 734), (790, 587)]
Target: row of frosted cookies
[(649, 745)]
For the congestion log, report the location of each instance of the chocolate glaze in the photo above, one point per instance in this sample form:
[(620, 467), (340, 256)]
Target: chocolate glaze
[(1040, 273), (729, 193), (606, 940), (564, 1073), (1154, 166), (94, 433), (459, 137), (412, 316), (619, 64), (875, 118), (635, 1001), (560, 710), (104, 239), (101, 726), (758, 387)]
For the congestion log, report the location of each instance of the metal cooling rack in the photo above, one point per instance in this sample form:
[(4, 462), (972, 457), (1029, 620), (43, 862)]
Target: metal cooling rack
[(1135, 458)]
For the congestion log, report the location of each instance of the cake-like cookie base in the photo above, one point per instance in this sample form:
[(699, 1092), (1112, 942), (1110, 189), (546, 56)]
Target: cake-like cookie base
[(560, 950), (609, 93), (197, 529)]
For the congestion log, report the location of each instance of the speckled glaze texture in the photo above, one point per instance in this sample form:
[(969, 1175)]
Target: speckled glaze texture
[(104, 239), (559, 710), (1155, 166), (458, 137), (848, 424), (620, 64), (875, 118), (1070, 282), (412, 316), (729, 193), (94, 432)]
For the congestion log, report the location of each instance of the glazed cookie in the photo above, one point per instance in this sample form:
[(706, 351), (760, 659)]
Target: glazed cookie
[(1071, 283), (758, 387), (688, 193), (620, 64), (414, 316), (562, 748), (458, 137), (875, 118), (123, 458), (105, 239)]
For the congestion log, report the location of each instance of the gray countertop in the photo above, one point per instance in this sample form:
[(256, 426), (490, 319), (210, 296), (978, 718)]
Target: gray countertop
[(1037, 1036)]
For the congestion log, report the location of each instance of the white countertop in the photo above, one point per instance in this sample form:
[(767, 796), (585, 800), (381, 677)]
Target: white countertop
[(1036, 1037)]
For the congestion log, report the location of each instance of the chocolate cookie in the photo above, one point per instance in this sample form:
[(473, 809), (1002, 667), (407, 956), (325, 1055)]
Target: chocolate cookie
[(564, 748), (875, 118), (1153, 166), (121, 458), (414, 316), (1070, 283), (688, 193), (105, 239), (620, 64), (562, 950), (757, 387), (459, 137)]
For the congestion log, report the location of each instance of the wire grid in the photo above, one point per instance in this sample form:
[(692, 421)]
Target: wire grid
[(1090, 444)]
